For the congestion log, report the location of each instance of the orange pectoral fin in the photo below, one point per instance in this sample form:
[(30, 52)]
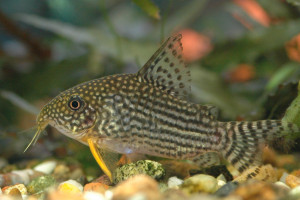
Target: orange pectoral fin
[(98, 157), (106, 159)]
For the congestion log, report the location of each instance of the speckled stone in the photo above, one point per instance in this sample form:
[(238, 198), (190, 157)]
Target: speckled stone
[(15, 189), (147, 167), (40, 184)]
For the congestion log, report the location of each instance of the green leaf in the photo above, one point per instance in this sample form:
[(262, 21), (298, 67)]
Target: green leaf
[(294, 2), (95, 37), (292, 114), (149, 7), (252, 45), (282, 74)]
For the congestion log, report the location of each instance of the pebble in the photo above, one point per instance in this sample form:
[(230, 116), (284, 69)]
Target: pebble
[(174, 182), (200, 183), (46, 167), (15, 193), (56, 195), (295, 192), (174, 194), (141, 184), (260, 190), (16, 190), (61, 172), (282, 185), (70, 186), (40, 184), (18, 176), (221, 180), (78, 175), (283, 177), (93, 196), (147, 167), (226, 189), (104, 179), (96, 187), (292, 181)]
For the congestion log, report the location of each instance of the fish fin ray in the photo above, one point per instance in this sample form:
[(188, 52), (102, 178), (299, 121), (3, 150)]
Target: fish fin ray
[(106, 159), (167, 70)]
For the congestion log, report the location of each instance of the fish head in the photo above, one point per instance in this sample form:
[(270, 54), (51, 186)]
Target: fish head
[(73, 113)]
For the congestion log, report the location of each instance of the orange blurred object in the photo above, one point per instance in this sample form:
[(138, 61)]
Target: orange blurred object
[(293, 48), (195, 45), (241, 73), (254, 10)]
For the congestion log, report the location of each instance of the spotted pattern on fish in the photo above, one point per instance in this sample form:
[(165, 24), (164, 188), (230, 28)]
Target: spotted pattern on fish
[(148, 112)]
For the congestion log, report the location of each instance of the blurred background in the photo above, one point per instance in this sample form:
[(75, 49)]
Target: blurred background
[(244, 56)]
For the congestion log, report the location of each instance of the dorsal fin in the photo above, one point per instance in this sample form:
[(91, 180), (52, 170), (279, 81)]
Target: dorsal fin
[(167, 70)]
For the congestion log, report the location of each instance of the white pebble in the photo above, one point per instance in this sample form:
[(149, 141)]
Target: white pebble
[(93, 196), (108, 194), (283, 177), (46, 167), (295, 191), (283, 185), (221, 177), (174, 182), (24, 174), (221, 183)]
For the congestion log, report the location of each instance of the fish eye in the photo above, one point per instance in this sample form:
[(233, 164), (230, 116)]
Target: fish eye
[(75, 103)]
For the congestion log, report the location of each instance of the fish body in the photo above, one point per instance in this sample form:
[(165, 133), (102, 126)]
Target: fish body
[(148, 112)]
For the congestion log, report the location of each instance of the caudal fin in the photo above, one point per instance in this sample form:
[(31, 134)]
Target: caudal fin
[(242, 142)]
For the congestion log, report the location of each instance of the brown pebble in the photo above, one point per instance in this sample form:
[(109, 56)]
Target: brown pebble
[(174, 194), (104, 179), (61, 172), (55, 195), (137, 185), (292, 181), (15, 193), (256, 190), (96, 187)]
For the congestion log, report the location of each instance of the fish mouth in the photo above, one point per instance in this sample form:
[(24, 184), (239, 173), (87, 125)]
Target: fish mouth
[(40, 129)]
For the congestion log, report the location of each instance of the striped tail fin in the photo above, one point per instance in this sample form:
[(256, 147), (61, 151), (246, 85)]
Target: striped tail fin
[(242, 142)]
